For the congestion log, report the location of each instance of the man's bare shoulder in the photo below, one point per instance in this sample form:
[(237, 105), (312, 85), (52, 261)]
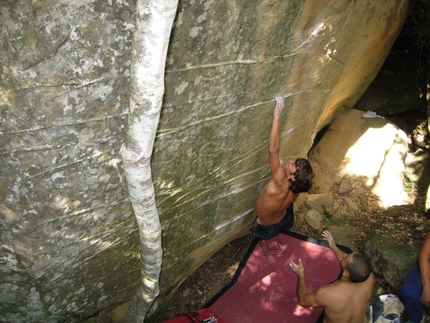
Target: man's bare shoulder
[(347, 301), (271, 194), (327, 296), (332, 293)]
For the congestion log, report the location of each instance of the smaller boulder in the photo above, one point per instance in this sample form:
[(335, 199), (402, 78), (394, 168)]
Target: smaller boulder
[(345, 186), (393, 242), (352, 207), (320, 202), (313, 218)]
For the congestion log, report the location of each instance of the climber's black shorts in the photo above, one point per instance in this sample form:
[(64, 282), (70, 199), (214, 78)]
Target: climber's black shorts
[(266, 232)]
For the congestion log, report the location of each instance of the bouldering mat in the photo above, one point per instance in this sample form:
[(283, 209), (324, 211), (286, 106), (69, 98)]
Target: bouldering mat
[(264, 286), (263, 289)]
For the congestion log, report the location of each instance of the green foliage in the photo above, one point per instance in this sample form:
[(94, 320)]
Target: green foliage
[(408, 181), (410, 185), (327, 213)]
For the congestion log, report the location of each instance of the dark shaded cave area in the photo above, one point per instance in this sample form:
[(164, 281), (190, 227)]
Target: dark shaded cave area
[(404, 77), (401, 91)]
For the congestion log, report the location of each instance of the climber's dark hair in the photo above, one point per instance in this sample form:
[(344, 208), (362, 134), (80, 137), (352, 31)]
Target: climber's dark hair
[(358, 268), (303, 176)]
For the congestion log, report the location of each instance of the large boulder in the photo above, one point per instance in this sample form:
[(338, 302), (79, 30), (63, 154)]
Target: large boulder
[(69, 241), (370, 148), (393, 242)]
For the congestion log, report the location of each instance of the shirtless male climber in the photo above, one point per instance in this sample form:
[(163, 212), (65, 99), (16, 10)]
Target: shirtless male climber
[(347, 299), (274, 203)]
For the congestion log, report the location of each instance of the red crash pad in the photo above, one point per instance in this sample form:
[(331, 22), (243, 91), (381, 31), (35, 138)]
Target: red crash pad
[(263, 290)]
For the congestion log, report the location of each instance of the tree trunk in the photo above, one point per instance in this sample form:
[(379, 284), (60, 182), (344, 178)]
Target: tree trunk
[(154, 19)]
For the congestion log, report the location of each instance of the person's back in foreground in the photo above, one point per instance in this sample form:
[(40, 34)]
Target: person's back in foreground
[(345, 300)]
